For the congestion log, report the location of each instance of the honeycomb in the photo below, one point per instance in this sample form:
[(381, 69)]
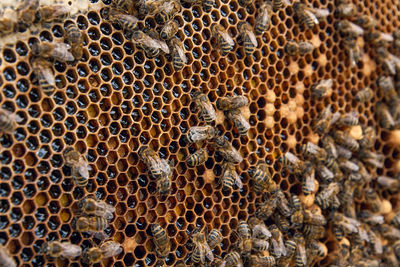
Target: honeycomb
[(115, 100)]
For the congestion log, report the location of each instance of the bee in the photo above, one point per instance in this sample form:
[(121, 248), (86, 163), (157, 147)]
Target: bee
[(161, 240), (232, 102), (384, 116), (318, 249), (263, 18), (58, 51), (167, 11), (396, 247), (247, 37), (301, 255), (230, 177), (79, 165), (328, 144), (197, 158), (313, 151), (7, 26), (314, 218), (204, 107), (56, 249), (227, 151), (90, 206), (292, 162), (200, 133), (293, 48), (178, 56), (123, 5), (260, 231), (297, 217), (259, 245), (214, 238), (58, 12), (26, 12), (282, 223), (322, 89), (92, 225), (346, 9), (232, 259), (371, 218), (266, 261), (365, 21), (8, 121), (345, 140), (152, 161), (348, 225), (202, 250), (349, 30), (308, 183), (245, 243), (396, 220), (278, 246), (224, 41), (164, 183), (291, 248), (44, 75), (283, 204), (364, 95), (169, 30), (106, 250), (389, 183), (348, 166), (75, 40), (6, 259), (239, 121), (371, 158), (338, 232), (389, 232), (150, 44), (308, 16), (312, 231), (261, 178), (385, 83), (267, 208), (353, 50), (128, 23), (324, 198), (348, 119), (378, 39), (325, 120), (387, 60)]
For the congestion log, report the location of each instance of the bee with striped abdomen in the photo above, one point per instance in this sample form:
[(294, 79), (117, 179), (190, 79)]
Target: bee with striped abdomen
[(267, 208), (283, 204), (365, 21), (227, 151), (317, 250), (26, 13), (322, 88), (245, 242), (178, 54), (292, 162), (290, 250), (311, 217), (232, 102), (390, 63), (44, 75), (265, 261), (308, 185), (161, 240), (56, 249), (278, 246), (5, 258), (364, 95), (263, 18), (167, 10), (325, 120), (349, 30), (152, 161), (204, 107), (297, 217), (58, 51), (353, 51), (223, 38), (282, 222), (247, 37), (378, 38), (311, 150), (385, 117), (197, 158), (200, 133), (368, 217), (232, 259), (259, 229), (214, 238), (312, 231), (348, 119), (293, 48), (93, 225), (202, 250), (79, 165), (52, 13), (149, 43), (230, 177), (309, 16), (389, 183), (324, 198), (106, 250), (301, 254), (169, 30), (75, 40), (372, 159), (128, 23), (386, 84), (90, 206), (261, 177), (345, 140)]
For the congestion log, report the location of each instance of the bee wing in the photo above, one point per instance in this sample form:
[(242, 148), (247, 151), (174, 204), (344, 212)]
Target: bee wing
[(396, 60), (312, 16), (71, 250), (252, 37), (348, 228), (111, 250), (163, 46), (356, 29), (264, 15), (238, 182), (261, 230), (62, 49), (282, 246), (260, 243), (181, 53), (167, 6), (83, 168), (320, 12), (225, 35), (363, 234), (99, 235), (15, 117), (209, 253), (277, 248)]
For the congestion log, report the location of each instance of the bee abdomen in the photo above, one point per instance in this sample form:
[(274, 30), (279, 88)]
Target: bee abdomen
[(177, 62), (248, 47), (207, 5), (276, 5), (225, 48)]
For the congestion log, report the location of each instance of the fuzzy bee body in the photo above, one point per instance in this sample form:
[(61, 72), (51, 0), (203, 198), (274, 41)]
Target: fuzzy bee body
[(161, 240), (263, 18), (225, 42), (167, 11), (74, 37), (55, 249), (197, 158), (204, 107)]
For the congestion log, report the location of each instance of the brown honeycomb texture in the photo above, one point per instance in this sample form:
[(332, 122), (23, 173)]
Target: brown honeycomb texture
[(116, 99)]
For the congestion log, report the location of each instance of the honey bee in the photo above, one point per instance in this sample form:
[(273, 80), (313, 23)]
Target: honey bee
[(247, 37), (266, 261), (314, 218), (345, 140), (322, 89), (227, 151), (396, 247), (291, 248), (202, 250), (308, 16), (384, 116), (6, 259), (371, 218), (378, 39), (106, 250), (371, 158), (169, 30), (232, 102), (324, 198), (204, 107), (151, 45), (293, 48), (259, 245), (263, 18), (123, 5), (297, 217), (348, 119), (292, 162), (388, 61), (389, 183), (161, 240), (207, 4), (7, 26), (267, 208), (178, 56), (389, 232), (79, 165), (261, 178), (128, 23), (325, 120), (283, 204), (260, 231), (90, 206), (197, 158), (232, 259), (224, 41), (57, 12), (58, 51), (245, 243), (230, 177), (364, 95), (349, 30), (93, 225), (164, 183), (312, 231), (318, 249), (282, 222), (346, 9), (75, 40), (396, 220), (200, 133), (348, 166), (365, 21), (167, 11), (386, 84), (328, 144), (348, 225), (313, 151), (8, 121), (152, 161), (353, 50), (56, 249), (308, 183), (26, 12), (278, 246), (301, 255), (44, 75), (214, 238)]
